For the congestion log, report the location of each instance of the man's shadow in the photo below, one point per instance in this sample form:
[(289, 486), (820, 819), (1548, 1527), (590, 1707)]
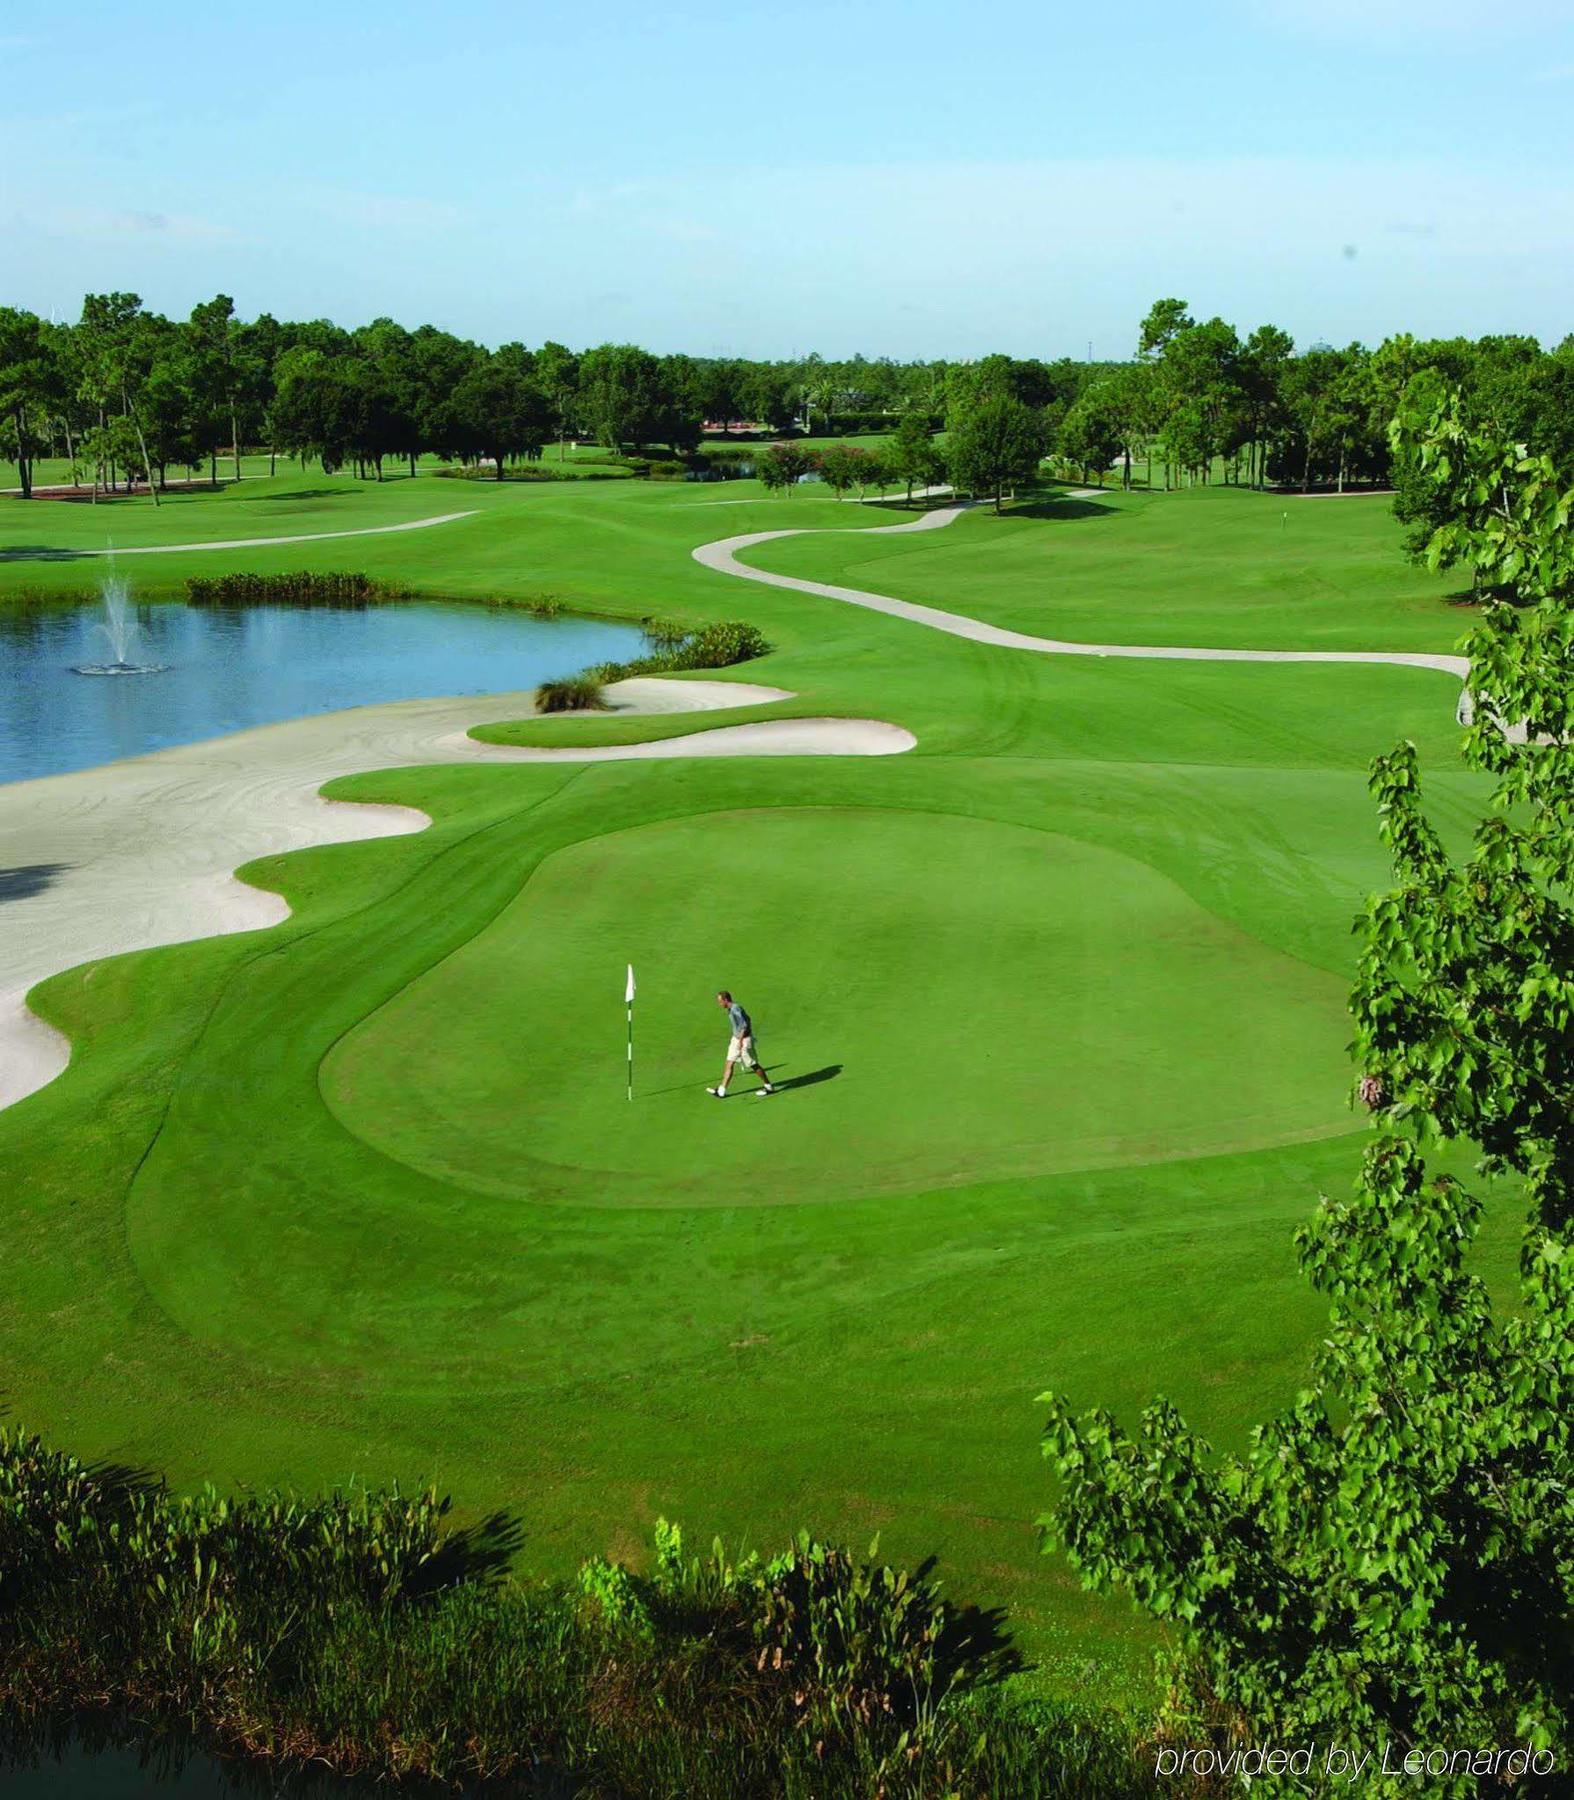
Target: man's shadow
[(812, 1079)]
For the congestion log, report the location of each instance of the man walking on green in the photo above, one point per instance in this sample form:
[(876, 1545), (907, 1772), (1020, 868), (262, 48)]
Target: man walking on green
[(740, 1048)]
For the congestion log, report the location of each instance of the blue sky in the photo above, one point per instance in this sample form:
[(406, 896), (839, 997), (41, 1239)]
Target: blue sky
[(919, 179)]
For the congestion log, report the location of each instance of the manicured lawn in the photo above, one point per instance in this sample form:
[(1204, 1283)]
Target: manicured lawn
[(1060, 991), (1213, 566)]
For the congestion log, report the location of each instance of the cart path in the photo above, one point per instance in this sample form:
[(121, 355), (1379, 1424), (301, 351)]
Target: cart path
[(723, 555), (257, 543)]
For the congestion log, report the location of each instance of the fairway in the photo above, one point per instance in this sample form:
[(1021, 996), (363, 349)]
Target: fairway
[(1056, 999), (942, 1000)]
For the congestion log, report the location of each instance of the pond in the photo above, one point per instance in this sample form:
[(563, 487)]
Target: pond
[(223, 668), (95, 1764)]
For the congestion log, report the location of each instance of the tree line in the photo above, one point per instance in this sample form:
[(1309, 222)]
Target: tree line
[(127, 394)]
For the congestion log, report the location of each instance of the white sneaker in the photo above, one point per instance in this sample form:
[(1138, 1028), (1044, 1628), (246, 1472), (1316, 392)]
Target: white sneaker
[(760, 1093), (720, 1093)]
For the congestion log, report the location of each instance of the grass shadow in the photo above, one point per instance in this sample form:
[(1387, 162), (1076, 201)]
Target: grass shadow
[(39, 553), (1064, 507), (312, 493), (480, 1552)]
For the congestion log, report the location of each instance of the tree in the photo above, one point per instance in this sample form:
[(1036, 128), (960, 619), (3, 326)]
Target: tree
[(840, 467), (1208, 419), (557, 371), (914, 455), (783, 466), (624, 397), (168, 409), (312, 413), (1092, 434), (1392, 1559), (222, 376), (1263, 361), (1166, 320), (440, 361), (499, 411), (392, 392), (771, 397), (114, 339), (25, 385), (994, 443), (874, 471)]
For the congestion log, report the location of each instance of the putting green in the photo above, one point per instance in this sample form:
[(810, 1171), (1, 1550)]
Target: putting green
[(941, 999)]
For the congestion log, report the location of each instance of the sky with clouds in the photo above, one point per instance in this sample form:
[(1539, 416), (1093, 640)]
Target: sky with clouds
[(916, 180)]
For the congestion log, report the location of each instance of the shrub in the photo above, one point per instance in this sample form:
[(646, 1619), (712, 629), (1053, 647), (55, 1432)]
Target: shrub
[(305, 587), (663, 635), (571, 693), (539, 606), (359, 1632), (669, 470), (716, 646), (539, 472)]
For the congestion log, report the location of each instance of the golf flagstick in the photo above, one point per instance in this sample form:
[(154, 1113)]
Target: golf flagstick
[(628, 1001)]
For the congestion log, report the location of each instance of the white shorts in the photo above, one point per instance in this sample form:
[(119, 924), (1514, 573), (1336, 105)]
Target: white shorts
[(742, 1050)]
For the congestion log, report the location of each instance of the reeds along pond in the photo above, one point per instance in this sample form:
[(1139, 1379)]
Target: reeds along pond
[(363, 1633), (302, 587)]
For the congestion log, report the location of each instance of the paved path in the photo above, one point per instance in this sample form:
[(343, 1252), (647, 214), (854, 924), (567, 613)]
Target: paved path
[(142, 852), (724, 554), (302, 537)]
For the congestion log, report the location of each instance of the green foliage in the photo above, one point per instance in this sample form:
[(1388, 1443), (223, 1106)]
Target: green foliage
[(995, 443), (915, 458), (663, 635), (1092, 433), (1392, 1560), (616, 1592), (539, 606), (358, 1633), (571, 693), (840, 467), (782, 466), (536, 472), (715, 646), (300, 587)]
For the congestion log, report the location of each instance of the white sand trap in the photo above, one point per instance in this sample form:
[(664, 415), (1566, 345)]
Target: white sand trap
[(302, 537), (723, 555), (141, 852), (763, 737)]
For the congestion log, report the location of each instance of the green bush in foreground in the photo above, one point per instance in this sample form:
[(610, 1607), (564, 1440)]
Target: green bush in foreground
[(572, 693), (360, 1633)]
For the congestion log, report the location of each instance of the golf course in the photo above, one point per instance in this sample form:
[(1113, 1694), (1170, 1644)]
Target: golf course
[(1055, 1001)]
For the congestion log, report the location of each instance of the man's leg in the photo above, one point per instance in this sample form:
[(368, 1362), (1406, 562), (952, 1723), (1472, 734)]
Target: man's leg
[(759, 1068), (726, 1076)]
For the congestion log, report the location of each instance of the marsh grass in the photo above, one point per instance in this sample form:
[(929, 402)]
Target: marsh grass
[(571, 693), (673, 650), (299, 587), (359, 1633)]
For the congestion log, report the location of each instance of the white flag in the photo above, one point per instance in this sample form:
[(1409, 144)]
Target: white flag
[(628, 995)]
